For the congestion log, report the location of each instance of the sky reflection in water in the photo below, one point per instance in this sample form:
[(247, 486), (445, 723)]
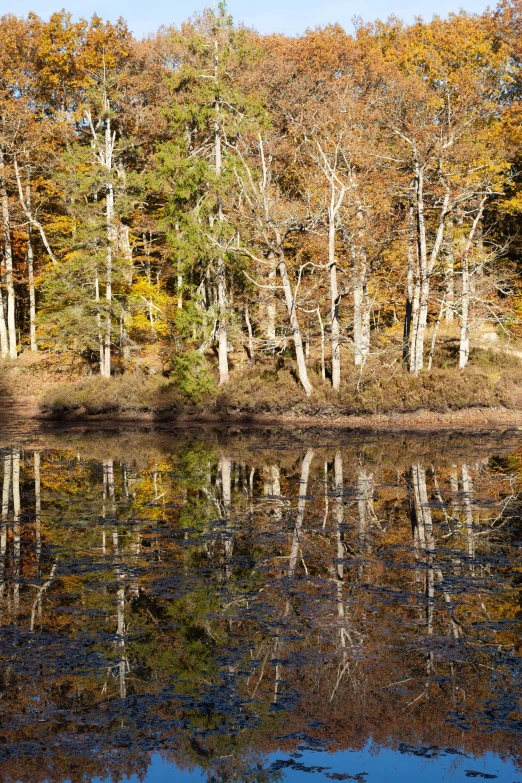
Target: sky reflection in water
[(260, 607)]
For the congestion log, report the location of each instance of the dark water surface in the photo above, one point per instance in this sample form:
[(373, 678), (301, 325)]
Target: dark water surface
[(241, 606)]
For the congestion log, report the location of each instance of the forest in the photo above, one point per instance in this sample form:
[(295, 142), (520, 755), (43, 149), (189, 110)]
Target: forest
[(218, 599), (210, 216)]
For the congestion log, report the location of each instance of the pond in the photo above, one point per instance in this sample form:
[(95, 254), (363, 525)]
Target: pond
[(259, 605)]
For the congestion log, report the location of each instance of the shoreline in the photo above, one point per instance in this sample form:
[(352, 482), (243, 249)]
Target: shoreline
[(471, 420)]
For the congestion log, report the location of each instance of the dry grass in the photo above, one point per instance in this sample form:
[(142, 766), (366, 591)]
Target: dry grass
[(130, 392), (492, 379)]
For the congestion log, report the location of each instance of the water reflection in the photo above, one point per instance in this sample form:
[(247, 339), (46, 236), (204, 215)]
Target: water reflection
[(243, 611)]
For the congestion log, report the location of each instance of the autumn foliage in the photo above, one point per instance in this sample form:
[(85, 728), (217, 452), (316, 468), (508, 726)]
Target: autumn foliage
[(207, 201)]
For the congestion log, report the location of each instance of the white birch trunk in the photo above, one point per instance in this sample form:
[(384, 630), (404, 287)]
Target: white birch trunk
[(301, 505), (467, 494), (6, 493), (466, 289), (8, 260), (334, 307), (339, 512), (4, 344), (450, 277), (37, 510), (16, 531), (361, 300), (426, 265), (321, 328), (30, 276), (294, 325), (98, 323), (410, 290), (271, 308), (250, 336)]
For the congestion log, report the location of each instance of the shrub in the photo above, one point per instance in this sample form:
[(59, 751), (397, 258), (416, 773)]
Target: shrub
[(193, 376)]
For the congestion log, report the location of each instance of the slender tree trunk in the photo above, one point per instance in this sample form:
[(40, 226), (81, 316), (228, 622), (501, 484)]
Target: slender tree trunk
[(334, 306), (37, 510), (450, 276), (466, 288), (271, 308), (16, 531), (6, 492), (426, 266), (410, 290), (294, 325), (222, 324), (220, 262), (250, 336), (98, 324), (467, 492), (4, 344), (301, 505), (339, 512), (361, 300), (464, 314), (112, 236), (30, 274), (179, 284), (365, 504), (8, 258), (321, 328), (226, 494), (108, 282), (357, 317), (435, 332), (424, 526)]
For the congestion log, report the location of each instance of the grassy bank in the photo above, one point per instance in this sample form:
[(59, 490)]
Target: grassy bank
[(493, 379)]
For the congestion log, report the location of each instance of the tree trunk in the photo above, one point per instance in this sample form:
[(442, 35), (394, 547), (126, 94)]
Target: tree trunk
[(466, 287), (464, 314), (8, 259), (467, 493), (6, 492), (339, 512), (435, 332), (321, 328), (410, 290), (30, 275), (250, 336), (220, 266), (179, 285), (301, 505), (108, 283), (37, 510), (271, 308), (425, 270), (361, 301), (334, 307), (222, 325), (226, 493), (450, 276), (294, 325), (4, 345), (17, 550), (98, 324)]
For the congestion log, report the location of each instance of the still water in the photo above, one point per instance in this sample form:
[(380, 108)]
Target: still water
[(260, 606)]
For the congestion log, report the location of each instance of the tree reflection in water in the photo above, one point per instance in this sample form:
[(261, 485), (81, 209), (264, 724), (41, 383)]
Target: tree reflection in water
[(215, 599)]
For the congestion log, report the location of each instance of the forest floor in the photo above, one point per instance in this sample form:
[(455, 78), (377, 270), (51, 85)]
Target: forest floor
[(486, 395)]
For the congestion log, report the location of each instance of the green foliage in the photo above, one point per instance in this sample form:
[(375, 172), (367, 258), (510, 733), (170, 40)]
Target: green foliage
[(193, 376)]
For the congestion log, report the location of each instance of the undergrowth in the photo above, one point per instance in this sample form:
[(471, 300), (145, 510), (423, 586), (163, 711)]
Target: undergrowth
[(491, 379)]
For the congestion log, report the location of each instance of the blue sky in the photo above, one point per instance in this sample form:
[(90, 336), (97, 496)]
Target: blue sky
[(286, 16)]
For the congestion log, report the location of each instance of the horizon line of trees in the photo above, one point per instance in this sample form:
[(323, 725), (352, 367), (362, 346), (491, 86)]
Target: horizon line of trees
[(211, 191)]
